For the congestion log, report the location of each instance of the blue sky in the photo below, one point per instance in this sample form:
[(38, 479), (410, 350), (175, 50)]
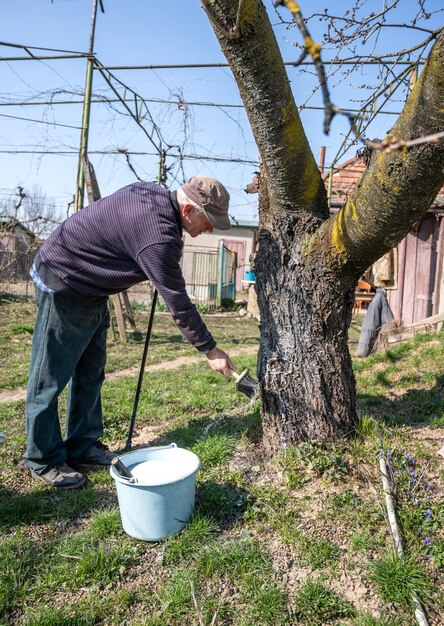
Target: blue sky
[(141, 32)]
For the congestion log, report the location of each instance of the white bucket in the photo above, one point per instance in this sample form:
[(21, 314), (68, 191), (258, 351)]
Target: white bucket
[(161, 502)]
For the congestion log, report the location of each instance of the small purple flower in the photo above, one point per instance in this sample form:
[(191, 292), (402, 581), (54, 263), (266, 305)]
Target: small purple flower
[(106, 550), (415, 502), (395, 473), (426, 485), (427, 541), (428, 513), (389, 454), (412, 473)]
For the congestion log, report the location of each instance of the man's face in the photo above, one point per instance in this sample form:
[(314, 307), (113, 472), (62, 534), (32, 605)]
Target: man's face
[(196, 223)]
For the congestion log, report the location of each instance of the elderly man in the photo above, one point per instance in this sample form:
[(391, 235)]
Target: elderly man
[(131, 236)]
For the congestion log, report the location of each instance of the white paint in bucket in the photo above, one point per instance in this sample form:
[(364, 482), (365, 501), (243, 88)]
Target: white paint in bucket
[(161, 502), (154, 472)]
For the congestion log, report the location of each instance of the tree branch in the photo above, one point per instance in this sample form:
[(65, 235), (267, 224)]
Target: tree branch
[(293, 177), (314, 50), (399, 185), (388, 145)]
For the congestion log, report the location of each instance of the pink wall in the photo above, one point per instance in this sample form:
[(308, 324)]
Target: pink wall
[(419, 272)]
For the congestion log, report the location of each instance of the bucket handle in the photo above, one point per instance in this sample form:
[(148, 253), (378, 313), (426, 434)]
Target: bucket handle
[(133, 480), (170, 445), (126, 479)]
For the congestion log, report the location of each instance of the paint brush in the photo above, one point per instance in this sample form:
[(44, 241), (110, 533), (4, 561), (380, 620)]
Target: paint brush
[(245, 383)]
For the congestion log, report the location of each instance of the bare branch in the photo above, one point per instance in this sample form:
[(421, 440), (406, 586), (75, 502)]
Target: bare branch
[(314, 50), (21, 196), (130, 165), (388, 145), (196, 606)]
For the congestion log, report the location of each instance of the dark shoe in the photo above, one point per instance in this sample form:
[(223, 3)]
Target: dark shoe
[(97, 455), (61, 476)]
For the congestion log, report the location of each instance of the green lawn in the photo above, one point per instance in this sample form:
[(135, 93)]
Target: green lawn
[(298, 539)]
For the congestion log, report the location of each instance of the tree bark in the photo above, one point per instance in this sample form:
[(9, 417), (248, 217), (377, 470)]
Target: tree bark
[(304, 364)]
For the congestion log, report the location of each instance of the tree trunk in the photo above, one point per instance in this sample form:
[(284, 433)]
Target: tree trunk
[(304, 364)]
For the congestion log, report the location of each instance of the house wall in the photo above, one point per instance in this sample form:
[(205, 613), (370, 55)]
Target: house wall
[(7, 241), (17, 251), (419, 272), (237, 239)]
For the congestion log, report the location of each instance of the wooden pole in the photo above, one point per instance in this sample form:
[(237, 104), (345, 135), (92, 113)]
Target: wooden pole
[(322, 159), (86, 113)]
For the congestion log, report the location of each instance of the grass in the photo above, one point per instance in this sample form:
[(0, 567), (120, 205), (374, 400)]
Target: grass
[(311, 458), (319, 554), (363, 539), (419, 384), (269, 540), (317, 605), (167, 343), (236, 559), (214, 450), (370, 620), (186, 545), (397, 578)]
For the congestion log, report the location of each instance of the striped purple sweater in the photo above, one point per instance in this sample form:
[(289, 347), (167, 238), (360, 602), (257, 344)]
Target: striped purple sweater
[(120, 241)]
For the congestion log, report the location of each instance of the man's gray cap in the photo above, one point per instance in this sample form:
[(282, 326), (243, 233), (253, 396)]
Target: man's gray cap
[(212, 197)]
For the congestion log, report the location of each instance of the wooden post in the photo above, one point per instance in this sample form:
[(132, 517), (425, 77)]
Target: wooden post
[(221, 274), (119, 317), (322, 159), (93, 190)]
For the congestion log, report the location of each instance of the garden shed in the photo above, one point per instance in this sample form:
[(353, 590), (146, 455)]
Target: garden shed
[(240, 239), (414, 270), (18, 246)]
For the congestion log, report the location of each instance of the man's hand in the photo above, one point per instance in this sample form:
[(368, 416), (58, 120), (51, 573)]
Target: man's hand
[(219, 361)]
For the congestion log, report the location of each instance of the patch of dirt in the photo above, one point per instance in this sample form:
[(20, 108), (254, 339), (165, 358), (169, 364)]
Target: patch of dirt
[(347, 578), (18, 395), (13, 396), (146, 435)]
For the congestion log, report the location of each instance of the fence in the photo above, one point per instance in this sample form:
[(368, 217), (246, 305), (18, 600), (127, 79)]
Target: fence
[(210, 275), (14, 272)]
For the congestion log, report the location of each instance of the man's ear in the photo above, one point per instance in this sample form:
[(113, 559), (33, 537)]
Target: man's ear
[(187, 210)]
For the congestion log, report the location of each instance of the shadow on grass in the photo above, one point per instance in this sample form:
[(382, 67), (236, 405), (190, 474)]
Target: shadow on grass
[(414, 406), (159, 340), (225, 503), (41, 507), (200, 429)]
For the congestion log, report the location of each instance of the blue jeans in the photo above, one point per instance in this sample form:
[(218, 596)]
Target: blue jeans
[(68, 346)]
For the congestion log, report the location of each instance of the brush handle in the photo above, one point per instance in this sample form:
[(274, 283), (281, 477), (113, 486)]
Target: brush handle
[(121, 468), (234, 374)]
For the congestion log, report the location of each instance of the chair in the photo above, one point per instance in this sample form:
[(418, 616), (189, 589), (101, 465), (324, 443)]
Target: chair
[(363, 297)]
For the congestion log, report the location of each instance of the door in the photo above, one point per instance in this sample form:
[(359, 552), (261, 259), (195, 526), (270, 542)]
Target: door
[(239, 247)]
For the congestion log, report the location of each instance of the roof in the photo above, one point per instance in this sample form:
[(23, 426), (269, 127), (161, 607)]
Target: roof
[(235, 223), (6, 219), (345, 177)]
